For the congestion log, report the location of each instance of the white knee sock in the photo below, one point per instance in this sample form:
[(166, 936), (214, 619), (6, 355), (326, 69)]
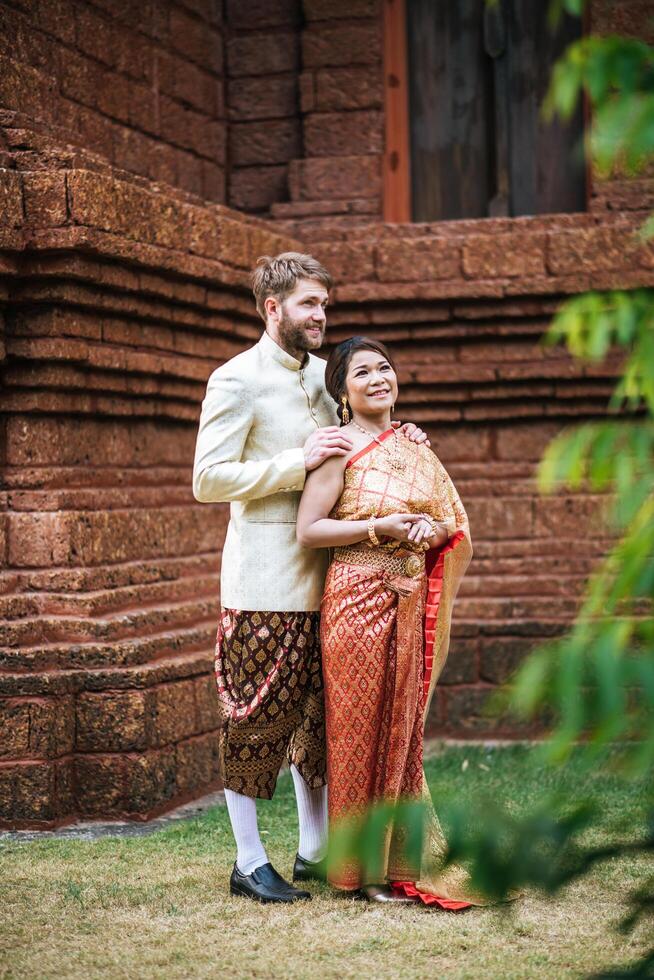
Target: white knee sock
[(312, 816), (250, 852)]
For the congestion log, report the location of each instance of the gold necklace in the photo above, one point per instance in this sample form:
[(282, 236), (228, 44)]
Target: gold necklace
[(397, 463)]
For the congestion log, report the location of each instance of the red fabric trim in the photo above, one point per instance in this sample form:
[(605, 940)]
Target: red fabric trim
[(371, 445), (434, 567), (408, 888)]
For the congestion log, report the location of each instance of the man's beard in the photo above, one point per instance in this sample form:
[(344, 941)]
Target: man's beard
[(294, 336)]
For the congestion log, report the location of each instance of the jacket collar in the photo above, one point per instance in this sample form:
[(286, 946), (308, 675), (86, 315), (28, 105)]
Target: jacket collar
[(273, 350)]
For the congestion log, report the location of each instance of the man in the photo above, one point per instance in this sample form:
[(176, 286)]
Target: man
[(266, 421)]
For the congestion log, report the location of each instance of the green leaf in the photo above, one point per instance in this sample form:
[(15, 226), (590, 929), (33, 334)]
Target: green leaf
[(647, 230), (530, 682)]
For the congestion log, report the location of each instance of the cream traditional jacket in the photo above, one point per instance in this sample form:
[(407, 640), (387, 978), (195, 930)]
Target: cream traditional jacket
[(260, 408)]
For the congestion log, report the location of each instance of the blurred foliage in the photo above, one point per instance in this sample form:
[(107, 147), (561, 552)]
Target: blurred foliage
[(617, 76), (357, 838), (600, 677), (597, 682)]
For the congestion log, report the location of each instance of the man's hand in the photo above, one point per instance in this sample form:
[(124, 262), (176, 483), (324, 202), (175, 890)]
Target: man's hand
[(323, 443), (411, 431)]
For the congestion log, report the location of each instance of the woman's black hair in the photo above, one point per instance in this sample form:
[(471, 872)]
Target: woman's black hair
[(339, 361)]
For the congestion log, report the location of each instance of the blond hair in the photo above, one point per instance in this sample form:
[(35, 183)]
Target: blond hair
[(278, 275)]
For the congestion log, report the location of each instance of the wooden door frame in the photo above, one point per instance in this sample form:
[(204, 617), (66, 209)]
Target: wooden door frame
[(397, 162)]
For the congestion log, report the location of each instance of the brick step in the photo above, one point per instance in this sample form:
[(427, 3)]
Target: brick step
[(150, 214), (429, 413), (78, 479), (129, 652), (226, 322), (420, 321), (224, 340), (337, 226), (195, 662), (489, 586), (225, 315), (30, 140), (485, 374), (92, 381), (91, 404), (111, 370), (105, 600), (534, 549), (136, 328), (486, 592), (483, 390), (97, 284), (335, 206), (115, 626), (457, 230), (323, 178), (143, 484), (105, 498), (103, 576), (507, 630), (508, 608), (61, 390), (107, 357), (114, 717), (555, 391), (96, 537), (515, 569)]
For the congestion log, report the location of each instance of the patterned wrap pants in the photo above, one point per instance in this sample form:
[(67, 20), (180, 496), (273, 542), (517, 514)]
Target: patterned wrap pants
[(271, 701)]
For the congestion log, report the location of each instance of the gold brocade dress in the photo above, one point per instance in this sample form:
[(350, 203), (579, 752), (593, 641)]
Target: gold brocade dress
[(384, 638)]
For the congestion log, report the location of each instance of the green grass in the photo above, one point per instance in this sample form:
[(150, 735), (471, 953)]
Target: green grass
[(159, 905)]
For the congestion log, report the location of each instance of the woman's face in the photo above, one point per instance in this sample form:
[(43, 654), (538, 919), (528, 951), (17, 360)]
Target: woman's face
[(370, 383)]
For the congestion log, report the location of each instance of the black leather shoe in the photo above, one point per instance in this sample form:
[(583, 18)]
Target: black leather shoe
[(304, 870), (265, 885)]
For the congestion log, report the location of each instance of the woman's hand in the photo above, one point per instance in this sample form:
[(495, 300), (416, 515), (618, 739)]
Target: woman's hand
[(397, 526), (421, 532), (429, 533), (441, 537)]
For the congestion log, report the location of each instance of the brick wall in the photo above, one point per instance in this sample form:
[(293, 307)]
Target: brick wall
[(339, 169), (117, 302), (463, 306), (273, 106), (139, 84), (265, 130), (336, 179), (124, 283)]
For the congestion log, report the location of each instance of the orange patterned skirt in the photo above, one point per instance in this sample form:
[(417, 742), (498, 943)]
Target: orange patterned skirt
[(371, 639), (377, 672)]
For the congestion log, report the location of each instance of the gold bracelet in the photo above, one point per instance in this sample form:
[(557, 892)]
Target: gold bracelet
[(374, 540)]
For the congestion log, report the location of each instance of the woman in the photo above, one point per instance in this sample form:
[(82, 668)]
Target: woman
[(402, 544)]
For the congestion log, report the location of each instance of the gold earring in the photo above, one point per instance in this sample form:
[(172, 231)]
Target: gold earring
[(345, 412)]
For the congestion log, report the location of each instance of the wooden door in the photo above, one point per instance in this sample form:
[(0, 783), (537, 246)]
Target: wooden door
[(477, 76)]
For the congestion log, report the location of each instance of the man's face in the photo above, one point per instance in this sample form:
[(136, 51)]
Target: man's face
[(302, 319)]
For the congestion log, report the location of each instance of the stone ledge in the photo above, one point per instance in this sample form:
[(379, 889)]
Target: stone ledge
[(137, 827)]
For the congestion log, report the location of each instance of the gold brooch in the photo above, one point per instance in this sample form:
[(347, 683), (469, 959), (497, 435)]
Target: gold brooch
[(413, 566)]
